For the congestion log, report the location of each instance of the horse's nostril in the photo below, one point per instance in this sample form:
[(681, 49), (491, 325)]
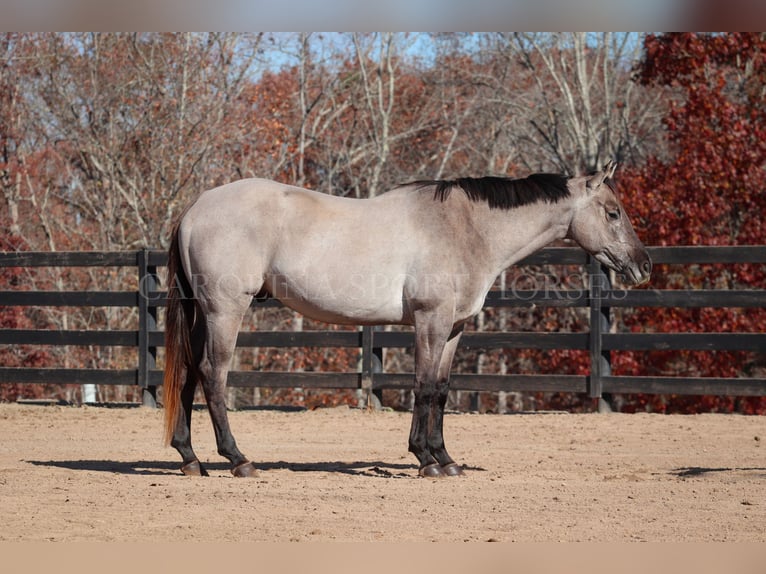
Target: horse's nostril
[(646, 267)]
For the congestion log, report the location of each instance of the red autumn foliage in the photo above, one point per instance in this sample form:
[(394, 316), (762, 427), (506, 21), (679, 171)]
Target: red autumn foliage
[(710, 192)]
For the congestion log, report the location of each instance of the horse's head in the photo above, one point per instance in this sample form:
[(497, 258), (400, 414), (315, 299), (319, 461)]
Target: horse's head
[(601, 227)]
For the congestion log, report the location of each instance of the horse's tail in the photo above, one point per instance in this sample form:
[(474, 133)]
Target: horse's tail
[(179, 320)]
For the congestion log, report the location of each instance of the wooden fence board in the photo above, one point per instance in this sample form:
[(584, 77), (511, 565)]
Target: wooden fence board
[(70, 298), (53, 376), (685, 298), (68, 259), (309, 380), (687, 341), (300, 339), (686, 386), (77, 338), (491, 383), (705, 254)]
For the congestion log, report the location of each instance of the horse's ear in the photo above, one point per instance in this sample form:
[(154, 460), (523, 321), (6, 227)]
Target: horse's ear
[(595, 180), (610, 168)]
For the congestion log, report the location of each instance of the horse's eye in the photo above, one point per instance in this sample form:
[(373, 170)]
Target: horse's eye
[(613, 215)]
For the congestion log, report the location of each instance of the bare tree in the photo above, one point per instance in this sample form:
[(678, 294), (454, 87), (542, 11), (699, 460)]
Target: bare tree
[(378, 86), (348, 106), (119, 130), (398, 114), (577, 96), (136, 118)]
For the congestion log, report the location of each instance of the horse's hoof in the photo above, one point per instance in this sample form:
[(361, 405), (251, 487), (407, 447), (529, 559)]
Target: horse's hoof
[(194, 468), (453, 469), (432, 471), (246, 469)]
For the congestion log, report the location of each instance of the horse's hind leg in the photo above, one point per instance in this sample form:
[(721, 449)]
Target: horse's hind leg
[(222, 329), (182, 434), (181, 440)]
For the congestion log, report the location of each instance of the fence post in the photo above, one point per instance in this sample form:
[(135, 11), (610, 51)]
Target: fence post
[(377, 367), (600, 360), (148, 284), (367, 375)]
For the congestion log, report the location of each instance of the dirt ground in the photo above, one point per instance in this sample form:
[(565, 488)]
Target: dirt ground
[(102, 474)]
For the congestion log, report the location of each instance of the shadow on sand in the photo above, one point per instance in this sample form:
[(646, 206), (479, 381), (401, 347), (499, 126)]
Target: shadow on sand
[(162, 468), (691, 471)]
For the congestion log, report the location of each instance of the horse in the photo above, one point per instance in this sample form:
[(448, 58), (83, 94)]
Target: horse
[(423, 254)]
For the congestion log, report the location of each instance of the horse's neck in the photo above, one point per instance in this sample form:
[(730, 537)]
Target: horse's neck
[(522, 231)]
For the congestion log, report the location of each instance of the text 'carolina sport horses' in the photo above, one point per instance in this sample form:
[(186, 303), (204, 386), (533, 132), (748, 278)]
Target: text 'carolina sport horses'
[(423, 254)]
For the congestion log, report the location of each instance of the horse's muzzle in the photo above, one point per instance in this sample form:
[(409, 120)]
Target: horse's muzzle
[(640, 270)]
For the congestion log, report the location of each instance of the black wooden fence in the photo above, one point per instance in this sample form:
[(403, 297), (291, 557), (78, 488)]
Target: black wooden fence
[(598, 295)]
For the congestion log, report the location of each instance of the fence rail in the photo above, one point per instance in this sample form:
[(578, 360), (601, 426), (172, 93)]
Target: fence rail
[(598, 296)]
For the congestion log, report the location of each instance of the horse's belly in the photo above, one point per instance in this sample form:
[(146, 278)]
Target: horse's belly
[(352, 300)]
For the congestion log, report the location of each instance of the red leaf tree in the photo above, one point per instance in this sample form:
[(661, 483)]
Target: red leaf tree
[(708, 191)]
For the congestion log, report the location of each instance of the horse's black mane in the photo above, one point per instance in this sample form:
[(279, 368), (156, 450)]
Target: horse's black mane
[(503, 192)]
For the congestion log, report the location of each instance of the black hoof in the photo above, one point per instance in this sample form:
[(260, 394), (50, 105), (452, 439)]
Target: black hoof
[(453, 469), (432, 471), (246, 469), (194, 468)]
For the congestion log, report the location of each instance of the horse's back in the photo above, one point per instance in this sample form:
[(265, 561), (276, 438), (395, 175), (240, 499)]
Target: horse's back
[(242, 198), (333, 258)]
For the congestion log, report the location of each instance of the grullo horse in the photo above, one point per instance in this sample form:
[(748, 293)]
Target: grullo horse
[(423, 254)]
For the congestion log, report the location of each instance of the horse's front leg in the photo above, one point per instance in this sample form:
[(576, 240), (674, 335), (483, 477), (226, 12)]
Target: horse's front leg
[(436, 433), (435, 343), (425, 392)]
